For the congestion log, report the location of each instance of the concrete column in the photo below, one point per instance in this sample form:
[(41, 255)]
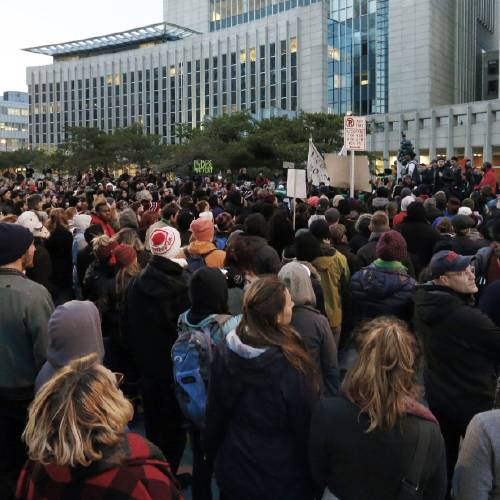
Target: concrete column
[(487, 149), (416, 141), (468, 127), (386, 141), (450, 150), (432, 143)]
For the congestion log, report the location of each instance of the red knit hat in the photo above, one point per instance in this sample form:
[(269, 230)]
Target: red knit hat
[(391, 247), (125, 255), (202, 229)]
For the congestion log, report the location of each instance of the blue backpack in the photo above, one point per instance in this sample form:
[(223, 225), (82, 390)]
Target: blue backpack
[(220, 242), (192, 354)]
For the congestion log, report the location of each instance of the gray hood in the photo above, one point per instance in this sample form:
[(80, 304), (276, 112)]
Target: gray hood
[(74, 331), (297, 278)]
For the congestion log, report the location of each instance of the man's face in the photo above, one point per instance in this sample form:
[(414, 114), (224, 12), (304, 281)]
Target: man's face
[(27, 259), (440, 163), (460, 281), (105, 213), (7, 195), (453, 163)]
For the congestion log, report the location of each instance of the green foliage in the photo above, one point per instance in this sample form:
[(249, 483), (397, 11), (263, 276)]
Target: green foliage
[(230, 142)]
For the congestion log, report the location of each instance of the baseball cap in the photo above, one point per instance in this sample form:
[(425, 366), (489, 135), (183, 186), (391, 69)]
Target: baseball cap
[(447, 261)]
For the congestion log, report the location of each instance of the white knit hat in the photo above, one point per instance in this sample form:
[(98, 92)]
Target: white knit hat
[(165, 242), (406, 202)]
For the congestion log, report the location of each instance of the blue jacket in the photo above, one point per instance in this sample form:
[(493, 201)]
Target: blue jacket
[(378, 290)]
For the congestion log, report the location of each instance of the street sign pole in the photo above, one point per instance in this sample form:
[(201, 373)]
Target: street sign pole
[(352, 174)]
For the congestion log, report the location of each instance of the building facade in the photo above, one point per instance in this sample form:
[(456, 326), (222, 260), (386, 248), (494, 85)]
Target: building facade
[(13, 121), (272, 62)]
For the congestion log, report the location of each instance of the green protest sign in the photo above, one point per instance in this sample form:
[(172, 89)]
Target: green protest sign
[(203, 166)]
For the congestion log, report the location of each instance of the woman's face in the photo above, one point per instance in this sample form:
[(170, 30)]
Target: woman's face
[(285, 316)]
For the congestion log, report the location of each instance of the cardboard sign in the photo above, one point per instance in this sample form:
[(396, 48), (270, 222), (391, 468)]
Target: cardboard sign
[(355, 133), (288, 164), (339, 170), (296, 183), (203, 166)]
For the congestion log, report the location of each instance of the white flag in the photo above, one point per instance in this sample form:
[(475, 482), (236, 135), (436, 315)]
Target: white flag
[(316, 169)]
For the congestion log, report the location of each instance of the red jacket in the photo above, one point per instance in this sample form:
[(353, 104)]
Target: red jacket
[(488, 178), (134, 469), (108, 229)]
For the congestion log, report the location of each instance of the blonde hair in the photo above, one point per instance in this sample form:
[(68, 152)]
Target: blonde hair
[(383, 378), (75, 414)]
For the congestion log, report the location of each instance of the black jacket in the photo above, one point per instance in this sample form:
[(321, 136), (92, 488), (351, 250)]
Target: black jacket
[(59, 245), (420, 240), (356, 465), (462, 353), (258, 417), (317, 336), (153, 301), (41, 272)]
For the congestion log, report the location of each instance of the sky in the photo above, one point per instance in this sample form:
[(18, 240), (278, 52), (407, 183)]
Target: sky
[(30, 23)]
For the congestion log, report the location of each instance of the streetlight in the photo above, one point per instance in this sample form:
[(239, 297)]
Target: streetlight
[(4, 142)]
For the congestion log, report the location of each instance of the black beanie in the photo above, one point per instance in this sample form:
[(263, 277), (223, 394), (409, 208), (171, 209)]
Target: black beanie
[(14, 241), (208, 293)]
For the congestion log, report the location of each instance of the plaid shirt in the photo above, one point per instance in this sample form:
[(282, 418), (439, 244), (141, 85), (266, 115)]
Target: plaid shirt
[(135, 469)]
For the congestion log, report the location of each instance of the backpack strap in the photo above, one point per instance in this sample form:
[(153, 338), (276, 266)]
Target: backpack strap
[(411, 483)]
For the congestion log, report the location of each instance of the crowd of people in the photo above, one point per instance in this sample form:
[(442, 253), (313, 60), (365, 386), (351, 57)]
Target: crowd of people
[(331, 347)]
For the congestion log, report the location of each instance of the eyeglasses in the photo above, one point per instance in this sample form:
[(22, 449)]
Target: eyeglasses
[(119, 378)]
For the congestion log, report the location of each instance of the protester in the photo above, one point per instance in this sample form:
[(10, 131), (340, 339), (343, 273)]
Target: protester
[(59, 246), (362, 444), (201, 250), (312, 326), (208, 311), (102, 216), (457, 339), (25, 308), (78, 444), (153, 301), (263, 386)]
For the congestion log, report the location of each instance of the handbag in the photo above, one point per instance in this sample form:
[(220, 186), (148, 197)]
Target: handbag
[(411, 483)]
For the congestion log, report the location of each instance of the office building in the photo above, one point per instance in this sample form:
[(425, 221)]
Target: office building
[(208, 58), (13, 121)]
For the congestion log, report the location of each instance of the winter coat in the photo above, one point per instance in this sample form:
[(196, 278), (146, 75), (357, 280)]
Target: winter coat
[(316, 333), (490, 301), (258, 415), (25, 308), (359, 465), (74, 331), (461, 347), (99, 278), (463, 245), (352, 258), (59, 245), (133, 469), (153, 301), (382, 288), (335, 276), (84, 258)]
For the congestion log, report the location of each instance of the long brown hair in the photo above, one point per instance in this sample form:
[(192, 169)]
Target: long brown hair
[(383, 378), (57, 217), (264, 300)]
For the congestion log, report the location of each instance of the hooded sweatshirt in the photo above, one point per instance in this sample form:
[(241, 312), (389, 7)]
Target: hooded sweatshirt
[(312, 326), (74, 331), (335, 275)]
